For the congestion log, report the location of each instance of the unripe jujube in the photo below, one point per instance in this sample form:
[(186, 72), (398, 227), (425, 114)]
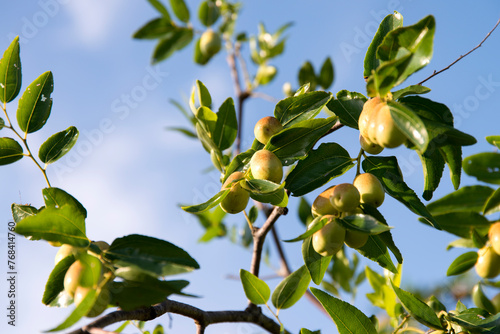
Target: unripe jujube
[(330, 238), (265, 128), (353, 238), (237, 198), (210, 43), (370, 189), (377, 126), (322, 204), (64, 251), (266, 166), (73, 276), (368, 146), (345, 197), (488, 263), (494, 236)]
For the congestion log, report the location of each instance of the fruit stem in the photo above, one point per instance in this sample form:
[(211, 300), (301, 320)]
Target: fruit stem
[(358, 164), (250, 225)]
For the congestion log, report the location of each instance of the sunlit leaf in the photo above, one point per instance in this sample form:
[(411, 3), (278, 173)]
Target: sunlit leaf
[(57, 145), (462, 263), (256, 290), (10, 72), (291, 289), (10, 151), (35, 104)]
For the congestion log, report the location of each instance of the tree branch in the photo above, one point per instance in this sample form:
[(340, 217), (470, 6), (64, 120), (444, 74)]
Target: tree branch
[(201, 318), (462, 56)]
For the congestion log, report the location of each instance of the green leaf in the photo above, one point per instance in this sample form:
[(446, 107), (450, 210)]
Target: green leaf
[(158, 329), (35, 104), (10, 151), (376, 250), (304, 211), (461, 223), (226, 126), (313, 227), (363, 223), (160, 8), (142, 290), (82, 309), (19, 211), (492, 204), (349, 319), (277, 198), (433, 165), (208, 13), (295, 142), (151, 255), (347, 107), (307, 76), (57, 145), (256, 290), (386, 169), (410, 90), (453, 157), (55, 283), (389, 23), (315, 263), (156, 28), (291, 289), (468, 198), (295, 109), (306, 331), (261, 186), (184, 131), (238, 163), (208, 204), (476, 322), (462, 264), (57, 198), (494, 140), (386, 237), (10, 72), (326, 74), (180, 10), (92, 272), (409, 124), (200, 97), (174, 41), (320, 166), (419, 310), (483, 166), (403, 52), (65, 225)]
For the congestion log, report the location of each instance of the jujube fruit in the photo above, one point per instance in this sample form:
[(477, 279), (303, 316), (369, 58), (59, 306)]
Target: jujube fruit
[(265, 165), (64, 251), (488, 263), (377, 126), (210, 43), (330, 238), (237, 198), (73, 276), (368, 146), (494, 236), (322, 205), (265, 128), (345, 197), (370, 189)]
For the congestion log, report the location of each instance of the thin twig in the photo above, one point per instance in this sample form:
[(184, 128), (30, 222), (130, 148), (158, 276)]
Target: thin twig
[(264, 96), (462, 56), (202, 318), (244, 68)]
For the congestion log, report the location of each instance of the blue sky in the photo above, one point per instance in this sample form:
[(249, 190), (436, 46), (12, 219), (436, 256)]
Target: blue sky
[(131, 174)]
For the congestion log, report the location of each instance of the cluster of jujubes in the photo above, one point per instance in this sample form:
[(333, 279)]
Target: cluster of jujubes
[(377, 127), (76, 278), (264, 165), (488, 261), (341, 201)]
